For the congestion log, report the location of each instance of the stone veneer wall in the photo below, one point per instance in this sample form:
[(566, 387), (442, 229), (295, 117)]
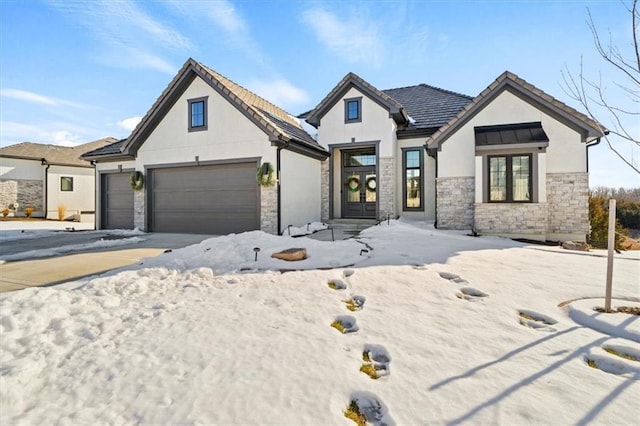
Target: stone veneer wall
[(526, 220), (568, 199), (138, 210), (269, 209), (324, 190), (386, 187), (455, 199), (22, 191)]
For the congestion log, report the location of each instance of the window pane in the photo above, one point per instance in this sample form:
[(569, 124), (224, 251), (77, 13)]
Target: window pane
[(412, 159), (197, 114), (66, 184), (352, 110), (355, 159), (370, 188), (497, 178), (413, 188), (521, 173)]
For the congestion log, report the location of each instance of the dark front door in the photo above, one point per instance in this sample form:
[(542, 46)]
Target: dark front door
[(359, 184)]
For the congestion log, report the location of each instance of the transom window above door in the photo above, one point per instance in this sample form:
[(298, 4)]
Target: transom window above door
[(359, 158), (353, 110), (197, 114)]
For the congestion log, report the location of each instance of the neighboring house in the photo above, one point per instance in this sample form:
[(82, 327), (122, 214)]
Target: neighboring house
[(47, 176), (511, 161), (199, 148)]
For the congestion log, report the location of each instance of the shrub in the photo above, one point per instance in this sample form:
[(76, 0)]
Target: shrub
[(29, 211), (5, 212), (62, 210), (599, 220)]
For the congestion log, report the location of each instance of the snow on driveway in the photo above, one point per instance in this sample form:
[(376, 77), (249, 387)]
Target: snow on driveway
[(456, 329)]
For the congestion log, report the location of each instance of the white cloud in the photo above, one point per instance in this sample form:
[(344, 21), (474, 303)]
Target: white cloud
[(353, 38), (26, 96), (279, 92), (235, 32), (65, 134), (130, 123), (127, 32)]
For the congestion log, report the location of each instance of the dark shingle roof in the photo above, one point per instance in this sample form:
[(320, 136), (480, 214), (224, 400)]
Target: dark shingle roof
[(111, 149), (429, 106), (54, 154), (294, 132)]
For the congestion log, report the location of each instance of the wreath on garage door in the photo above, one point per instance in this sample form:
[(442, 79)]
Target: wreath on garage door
[(137, 181), (353, 184)]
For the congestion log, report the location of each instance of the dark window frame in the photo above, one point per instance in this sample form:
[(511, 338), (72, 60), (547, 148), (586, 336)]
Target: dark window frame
[(347, 101), (509, 178), (69, 187), (205, 109), (420, 168)]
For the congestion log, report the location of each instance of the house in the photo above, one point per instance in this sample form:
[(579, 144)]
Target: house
[(511, 161), (200, 150), (47, 176)]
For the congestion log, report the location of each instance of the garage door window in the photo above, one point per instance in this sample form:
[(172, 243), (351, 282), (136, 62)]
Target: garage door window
[(197, 114), (66, 183)]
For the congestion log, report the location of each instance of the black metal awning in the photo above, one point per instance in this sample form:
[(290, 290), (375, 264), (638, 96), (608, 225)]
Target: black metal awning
[(510, 134)]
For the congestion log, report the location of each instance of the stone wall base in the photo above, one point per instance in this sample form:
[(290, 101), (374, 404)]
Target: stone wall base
[(24, 192), (568, 199), (386, 188), (455, 198), (514, 220)]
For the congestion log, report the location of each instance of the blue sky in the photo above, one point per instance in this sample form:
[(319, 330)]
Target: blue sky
[(72, 72)]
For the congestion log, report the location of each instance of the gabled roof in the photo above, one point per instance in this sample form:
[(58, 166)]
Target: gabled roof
[(281, 127), (350, 80), (54, 154), (588, 128)]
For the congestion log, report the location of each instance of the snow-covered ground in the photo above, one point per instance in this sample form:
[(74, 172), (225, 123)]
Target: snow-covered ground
[(459, 329)]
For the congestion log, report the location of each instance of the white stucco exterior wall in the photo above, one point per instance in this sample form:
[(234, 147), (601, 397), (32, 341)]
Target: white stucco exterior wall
[(566, 153), (376, 125), (82, 198), (300, 189), (229, 135), (14, 168)]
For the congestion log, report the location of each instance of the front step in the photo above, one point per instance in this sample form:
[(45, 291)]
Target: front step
[(356, 224)]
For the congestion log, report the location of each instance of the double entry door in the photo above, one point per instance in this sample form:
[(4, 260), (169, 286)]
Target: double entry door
[(359, 184)]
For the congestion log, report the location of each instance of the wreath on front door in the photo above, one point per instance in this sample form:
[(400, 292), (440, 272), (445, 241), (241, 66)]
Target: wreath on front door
[(370, 184), (137, 181), (353, 184)]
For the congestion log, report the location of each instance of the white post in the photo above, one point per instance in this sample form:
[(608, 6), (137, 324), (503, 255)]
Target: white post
[(610, 245)]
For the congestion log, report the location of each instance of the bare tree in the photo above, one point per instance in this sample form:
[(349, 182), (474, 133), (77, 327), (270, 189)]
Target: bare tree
[(591, 93)]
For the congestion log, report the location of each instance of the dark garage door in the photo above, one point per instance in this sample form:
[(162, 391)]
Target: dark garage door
[(216, 199), (117, 201)]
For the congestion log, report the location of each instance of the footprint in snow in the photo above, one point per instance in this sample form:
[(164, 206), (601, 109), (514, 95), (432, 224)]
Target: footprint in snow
[(536, 320), (616, 359), (348, 272), (366, 408), (452, 277), (356, 303), (471, 294), (345, 324), (375, 361), (336, 284)]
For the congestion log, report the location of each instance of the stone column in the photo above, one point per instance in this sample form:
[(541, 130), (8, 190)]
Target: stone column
[(269, 209), (324, 190), (386, 187), (138, 211)]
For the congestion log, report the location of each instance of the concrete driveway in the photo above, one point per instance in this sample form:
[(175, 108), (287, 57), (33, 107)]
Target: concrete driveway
[(34, 272)]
